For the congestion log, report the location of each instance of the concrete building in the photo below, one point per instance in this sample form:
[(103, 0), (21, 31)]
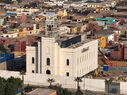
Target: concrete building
[(26, 10), (9, 35), (61, 54), (95, 5), (71, 57), (51, 22)]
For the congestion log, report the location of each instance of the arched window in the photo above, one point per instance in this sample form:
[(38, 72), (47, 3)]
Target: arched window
[(67, 62), (33, 60), (48, 72), (67, 74), (48, 61), (32, 71)]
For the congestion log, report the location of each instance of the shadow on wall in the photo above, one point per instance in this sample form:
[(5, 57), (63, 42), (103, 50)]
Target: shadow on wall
[(17, 64), (114, 88)]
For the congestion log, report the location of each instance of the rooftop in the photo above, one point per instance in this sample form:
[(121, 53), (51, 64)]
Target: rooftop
[(67, 40), (80, 43), (41, 91), (50, 13), (23, 25), (104, 32)]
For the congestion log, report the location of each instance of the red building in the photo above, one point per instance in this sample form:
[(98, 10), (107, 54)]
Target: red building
[(120, 52), (20, 45)]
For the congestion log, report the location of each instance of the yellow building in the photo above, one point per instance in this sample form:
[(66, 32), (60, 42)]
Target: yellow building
[(21, 34), (100, 9), (102, 41), (62, 12)]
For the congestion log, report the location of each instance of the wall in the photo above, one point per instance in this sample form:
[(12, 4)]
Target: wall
[(125, 53), (116, 54), (30, 52), (48, 51), (10, 35), (123, 87), (95, 84), (3, 66), (67, 82), (85, 58)]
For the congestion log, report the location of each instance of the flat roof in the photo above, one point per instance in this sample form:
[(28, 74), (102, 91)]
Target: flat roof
[(80, 43), (41, 91), (50, 13)]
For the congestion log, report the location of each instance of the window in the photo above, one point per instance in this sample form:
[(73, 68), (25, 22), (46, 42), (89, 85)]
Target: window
[(48, 61), (67, 74), (3, 40), (67, 62), (32, 71), (33, 60), (48, 72)]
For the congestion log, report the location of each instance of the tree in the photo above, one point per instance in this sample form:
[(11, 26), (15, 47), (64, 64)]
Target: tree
[(6, 1), (108, 82), (2, 86), (9, 86), (3, 49), (10, 89), (22, 73), (78, 80), (12, 85), (17, 82), (50, 81)]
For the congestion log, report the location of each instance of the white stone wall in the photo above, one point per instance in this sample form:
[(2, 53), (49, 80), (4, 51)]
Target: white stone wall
[(66, 82), (123, 88), (13, 35), (95, 84), (30, 52), (48, 51), (63, 67), (86, 61)]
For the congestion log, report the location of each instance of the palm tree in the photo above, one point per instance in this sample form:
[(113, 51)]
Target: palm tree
[(22, 73), (108, 82), (50, 81), (78, 80)]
